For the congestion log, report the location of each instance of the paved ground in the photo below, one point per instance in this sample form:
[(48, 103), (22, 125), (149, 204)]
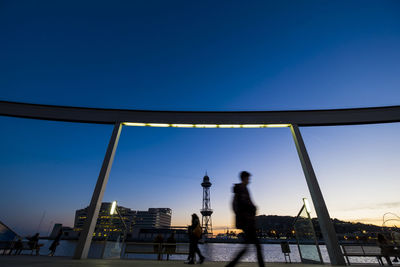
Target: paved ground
[(44, 261)]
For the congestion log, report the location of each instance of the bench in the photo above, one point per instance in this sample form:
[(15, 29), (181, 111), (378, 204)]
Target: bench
[(156, 248), (8, 247), (5, 246), (365, 250)]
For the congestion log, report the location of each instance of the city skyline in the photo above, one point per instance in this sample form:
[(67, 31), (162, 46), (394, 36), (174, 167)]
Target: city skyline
[(199, 57)]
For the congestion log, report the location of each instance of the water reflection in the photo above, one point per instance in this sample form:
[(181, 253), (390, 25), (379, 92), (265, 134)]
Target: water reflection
[(213, 252)]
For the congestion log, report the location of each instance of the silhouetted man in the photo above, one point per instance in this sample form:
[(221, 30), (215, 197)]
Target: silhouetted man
[(245, 212)]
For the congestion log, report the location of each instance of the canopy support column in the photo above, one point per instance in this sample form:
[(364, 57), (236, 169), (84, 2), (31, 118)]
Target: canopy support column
[(86, 235), (326, 225)]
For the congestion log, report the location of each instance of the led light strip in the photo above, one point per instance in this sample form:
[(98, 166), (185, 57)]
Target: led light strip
[(183, 125)]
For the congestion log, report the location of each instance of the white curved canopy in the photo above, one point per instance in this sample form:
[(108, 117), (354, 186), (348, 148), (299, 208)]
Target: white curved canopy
[(111, 116)]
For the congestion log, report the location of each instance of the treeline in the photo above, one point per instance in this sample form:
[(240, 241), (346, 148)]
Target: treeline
[(274, 226)]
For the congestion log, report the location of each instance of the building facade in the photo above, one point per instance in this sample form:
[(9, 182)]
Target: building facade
[(111, 226), (154, 218), (107, 226)]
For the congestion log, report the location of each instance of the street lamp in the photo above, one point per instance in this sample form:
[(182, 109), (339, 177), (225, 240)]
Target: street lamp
[(307, 205), (114, 209)]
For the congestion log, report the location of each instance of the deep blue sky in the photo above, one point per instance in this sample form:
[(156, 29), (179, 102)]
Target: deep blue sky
[(190, 55)]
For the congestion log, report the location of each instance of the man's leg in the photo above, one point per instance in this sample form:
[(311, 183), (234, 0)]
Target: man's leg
[(259, 254), (242, 252), (252, 238), (238, 256)]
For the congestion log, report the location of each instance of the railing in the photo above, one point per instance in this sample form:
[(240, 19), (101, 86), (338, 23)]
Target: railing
[(156, 248)]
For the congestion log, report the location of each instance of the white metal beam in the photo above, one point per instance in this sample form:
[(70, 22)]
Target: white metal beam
[(86, 235), (325, 223)]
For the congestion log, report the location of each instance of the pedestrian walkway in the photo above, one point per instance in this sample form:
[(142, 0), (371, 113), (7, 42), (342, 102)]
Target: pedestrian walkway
[(44, 261)]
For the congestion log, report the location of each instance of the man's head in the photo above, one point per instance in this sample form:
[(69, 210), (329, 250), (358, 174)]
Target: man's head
[(245, 177)]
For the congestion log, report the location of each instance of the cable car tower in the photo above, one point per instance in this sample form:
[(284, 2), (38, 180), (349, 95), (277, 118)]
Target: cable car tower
[(206, 211)]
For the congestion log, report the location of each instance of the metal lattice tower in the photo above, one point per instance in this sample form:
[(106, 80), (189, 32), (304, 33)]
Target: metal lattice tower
[(206, 211)]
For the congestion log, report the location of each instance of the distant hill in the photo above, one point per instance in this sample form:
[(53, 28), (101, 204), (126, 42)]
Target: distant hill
[(279, 226)]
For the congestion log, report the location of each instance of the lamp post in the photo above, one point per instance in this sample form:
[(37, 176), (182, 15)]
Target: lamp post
[(114, 209), (113, 206), (307, 205)]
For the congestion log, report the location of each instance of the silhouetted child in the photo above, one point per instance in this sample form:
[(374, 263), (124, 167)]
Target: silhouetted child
[(170, 248), (158, 246)]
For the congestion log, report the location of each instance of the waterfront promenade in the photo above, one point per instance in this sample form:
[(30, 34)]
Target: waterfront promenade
[(44, 261)]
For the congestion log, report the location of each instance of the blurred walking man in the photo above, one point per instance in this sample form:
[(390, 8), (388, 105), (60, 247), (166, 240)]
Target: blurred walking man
[(245, 212)]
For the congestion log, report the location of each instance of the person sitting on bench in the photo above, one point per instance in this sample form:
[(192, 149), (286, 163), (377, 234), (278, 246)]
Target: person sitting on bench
[(33, 243), (387, 248)]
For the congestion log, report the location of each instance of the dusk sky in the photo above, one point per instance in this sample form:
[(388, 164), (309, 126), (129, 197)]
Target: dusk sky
[(199, 56)]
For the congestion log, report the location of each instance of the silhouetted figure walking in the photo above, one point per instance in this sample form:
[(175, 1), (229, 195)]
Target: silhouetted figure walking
[(55, 243), (171, 245), (245, 212), (195, 233)]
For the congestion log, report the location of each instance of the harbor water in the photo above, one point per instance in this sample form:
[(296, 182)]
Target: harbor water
[(212, 251)]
